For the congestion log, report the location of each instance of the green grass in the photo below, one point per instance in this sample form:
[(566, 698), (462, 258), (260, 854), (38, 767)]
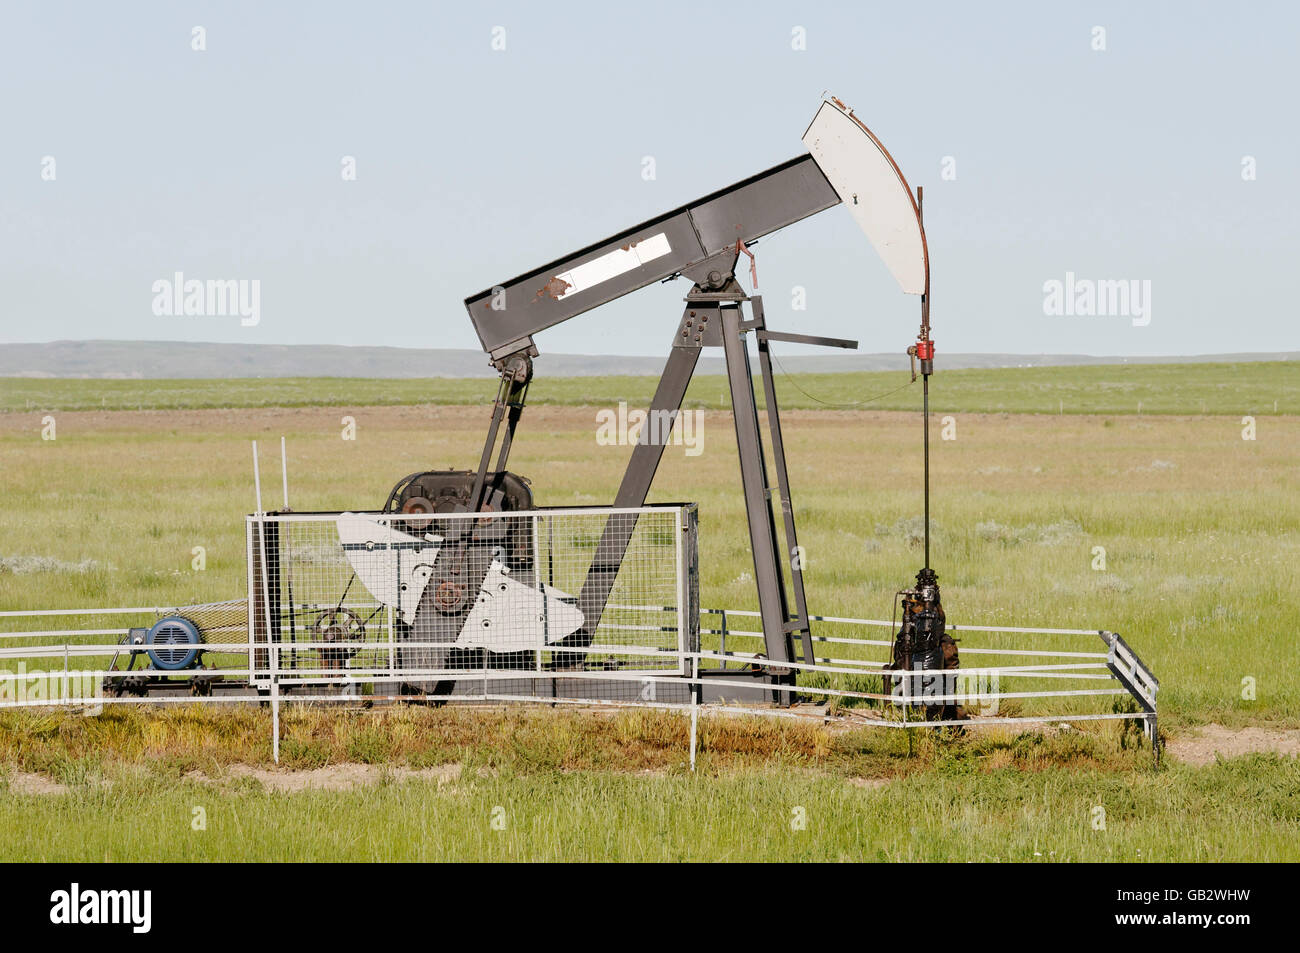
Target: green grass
[(1201, 529), (566, 787), (1257, 388)]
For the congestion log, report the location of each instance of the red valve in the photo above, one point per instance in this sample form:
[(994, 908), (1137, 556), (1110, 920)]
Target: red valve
[(925, 350)]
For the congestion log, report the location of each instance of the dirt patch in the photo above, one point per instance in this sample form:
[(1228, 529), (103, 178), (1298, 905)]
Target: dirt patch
[(26, 783), (870, 783), (336, 777), (1215, 741)]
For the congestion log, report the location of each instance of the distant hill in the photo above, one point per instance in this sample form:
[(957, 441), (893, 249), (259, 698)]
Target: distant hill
[(141, 360)]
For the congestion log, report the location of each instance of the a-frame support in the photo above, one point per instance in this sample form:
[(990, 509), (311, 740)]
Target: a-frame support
[(716, 319)]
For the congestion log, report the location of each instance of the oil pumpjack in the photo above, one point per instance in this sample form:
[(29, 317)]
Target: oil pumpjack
[(702, 242)]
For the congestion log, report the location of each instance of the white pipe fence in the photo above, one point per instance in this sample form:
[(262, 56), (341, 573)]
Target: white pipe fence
[(478, 685), (310, 574)]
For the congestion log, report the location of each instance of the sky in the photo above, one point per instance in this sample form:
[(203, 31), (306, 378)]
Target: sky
[(1152, 143)]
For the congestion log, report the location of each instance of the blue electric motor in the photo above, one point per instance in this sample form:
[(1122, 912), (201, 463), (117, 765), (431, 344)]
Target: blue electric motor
[(173, 643)]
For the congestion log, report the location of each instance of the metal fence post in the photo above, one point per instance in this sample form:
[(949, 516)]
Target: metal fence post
[(275, 702)]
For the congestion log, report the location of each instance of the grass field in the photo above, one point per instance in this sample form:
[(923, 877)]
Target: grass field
[(1258, 388), (554, 786), (1201, 530)]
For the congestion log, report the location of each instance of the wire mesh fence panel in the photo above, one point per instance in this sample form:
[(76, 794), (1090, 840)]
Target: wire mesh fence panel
[(442, 604), (305, 593)]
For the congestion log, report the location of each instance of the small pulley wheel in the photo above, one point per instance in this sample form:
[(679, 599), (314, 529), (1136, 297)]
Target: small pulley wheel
[(337, 627)]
